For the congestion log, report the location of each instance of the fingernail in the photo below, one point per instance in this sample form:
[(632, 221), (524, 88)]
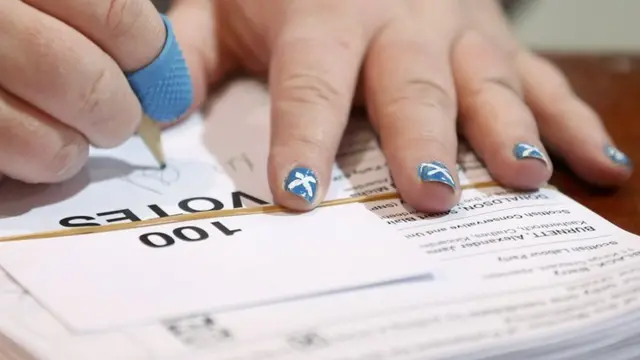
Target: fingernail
[(617, 156), (436, 171), (302, 182), (527, 151)]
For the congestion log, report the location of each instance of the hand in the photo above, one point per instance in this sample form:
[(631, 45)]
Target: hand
[(62, 85), (417, 66)]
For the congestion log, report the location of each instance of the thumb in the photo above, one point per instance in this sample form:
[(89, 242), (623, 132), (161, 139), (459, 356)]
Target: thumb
[(195, 26)]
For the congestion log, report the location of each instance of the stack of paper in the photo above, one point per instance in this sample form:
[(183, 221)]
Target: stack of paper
[(503, 275)]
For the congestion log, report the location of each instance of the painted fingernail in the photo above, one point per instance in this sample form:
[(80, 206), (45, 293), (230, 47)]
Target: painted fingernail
[(617, 156), (436, 171), (527, 151), (302, 182)]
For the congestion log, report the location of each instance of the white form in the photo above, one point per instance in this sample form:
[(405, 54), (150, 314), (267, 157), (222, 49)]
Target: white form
[(528, 273), (113, 279), (506, 267)]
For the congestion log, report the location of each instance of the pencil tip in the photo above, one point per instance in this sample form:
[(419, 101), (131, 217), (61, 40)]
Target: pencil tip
[(163, 166)]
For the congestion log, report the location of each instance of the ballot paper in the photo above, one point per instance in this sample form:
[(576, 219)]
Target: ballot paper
[(528, 274), (134, 276), (503, 275)]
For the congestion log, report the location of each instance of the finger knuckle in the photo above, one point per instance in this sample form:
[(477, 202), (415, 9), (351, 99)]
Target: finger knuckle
[(423, 93), (63, 159), (313, 146), (307, 87), (429, 138), (347, 41), (103, 111), (502, 84), (94, 94), (121, 16)]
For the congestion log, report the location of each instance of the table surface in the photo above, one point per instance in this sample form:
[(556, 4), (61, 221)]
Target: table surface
[(611, 85)]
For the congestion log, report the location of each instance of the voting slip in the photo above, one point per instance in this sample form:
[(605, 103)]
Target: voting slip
[(134, 276), (503, 275)]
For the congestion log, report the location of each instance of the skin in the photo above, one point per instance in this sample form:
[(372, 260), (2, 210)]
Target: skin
[(423, 69), (63, 86)]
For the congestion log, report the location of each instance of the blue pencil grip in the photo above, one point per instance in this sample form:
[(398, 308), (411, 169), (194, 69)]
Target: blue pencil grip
[(164, 87)]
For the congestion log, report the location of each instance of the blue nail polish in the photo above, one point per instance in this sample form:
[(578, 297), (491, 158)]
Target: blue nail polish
[(436, 171), (302, 182), (526, 151), (617, 156)]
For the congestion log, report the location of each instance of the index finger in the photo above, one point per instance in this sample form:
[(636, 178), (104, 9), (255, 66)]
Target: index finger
[(130, 31)]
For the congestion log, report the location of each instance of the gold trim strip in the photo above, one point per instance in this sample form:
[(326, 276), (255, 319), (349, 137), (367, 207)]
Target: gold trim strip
[(208, 215)]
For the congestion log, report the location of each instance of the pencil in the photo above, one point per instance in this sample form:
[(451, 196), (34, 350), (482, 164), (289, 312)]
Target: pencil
[(165, 92), (151, 135)]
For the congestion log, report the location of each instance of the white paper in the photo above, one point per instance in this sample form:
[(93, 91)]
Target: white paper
[(112, 279), (533, 275), (571, 279)]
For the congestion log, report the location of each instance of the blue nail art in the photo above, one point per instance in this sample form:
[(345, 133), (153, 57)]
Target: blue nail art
[(617, 156), (302, 182), (436, 171), (527, 151)]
